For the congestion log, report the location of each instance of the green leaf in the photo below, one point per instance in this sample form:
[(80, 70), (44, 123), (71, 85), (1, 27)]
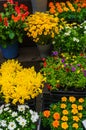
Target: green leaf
[(11, 35)]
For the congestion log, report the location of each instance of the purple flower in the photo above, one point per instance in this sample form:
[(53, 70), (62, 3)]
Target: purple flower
[(63, 60), (78, 64), (54, 53), (73, 69), (85, 73)]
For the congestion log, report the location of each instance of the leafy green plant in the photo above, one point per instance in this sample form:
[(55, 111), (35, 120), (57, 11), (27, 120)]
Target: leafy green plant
[(65, 72), (71, 11), (71, 39), (12, 22), (66, 114), (17, 117), (41, 27)]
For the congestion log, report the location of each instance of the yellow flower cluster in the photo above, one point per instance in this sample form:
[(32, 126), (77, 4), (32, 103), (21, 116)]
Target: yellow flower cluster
[(18, 84), (41, 27)]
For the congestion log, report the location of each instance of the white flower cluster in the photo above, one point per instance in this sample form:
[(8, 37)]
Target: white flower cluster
[(17, 119)]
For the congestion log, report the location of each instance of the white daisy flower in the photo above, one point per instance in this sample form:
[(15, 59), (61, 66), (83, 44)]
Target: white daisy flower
[(21, 107), (34, 116), (11, 125), (19, 118), (75, 39), (2, 107), (6, 109), (3, 123), (7, 105), (14, 114), (84, 32), (26, 106), (22, 122)]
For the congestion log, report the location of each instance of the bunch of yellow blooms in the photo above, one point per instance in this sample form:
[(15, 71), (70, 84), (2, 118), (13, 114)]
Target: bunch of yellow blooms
[(41, 27), (18, 84)]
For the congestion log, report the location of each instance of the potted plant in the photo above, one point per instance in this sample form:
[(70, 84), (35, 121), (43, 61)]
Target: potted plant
[(71, 39), (19, 85), (41, 28), (65, 72), (71, 11), (67, 113), (12, 25), (21, 117), (39, 5)]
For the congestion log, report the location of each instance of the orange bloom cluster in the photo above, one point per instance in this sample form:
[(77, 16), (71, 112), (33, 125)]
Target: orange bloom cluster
[(81, 3), (66, 114), (66, 6)]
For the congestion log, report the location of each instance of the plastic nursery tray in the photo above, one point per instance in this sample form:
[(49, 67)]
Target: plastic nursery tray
[(40, 126), (55, 96)]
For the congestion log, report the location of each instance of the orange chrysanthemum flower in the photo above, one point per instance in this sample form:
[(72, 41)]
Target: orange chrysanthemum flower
[(81, 100), (64, 99), (46, 113), (64, 125), (55, 124), (56, 116), (72, 99)]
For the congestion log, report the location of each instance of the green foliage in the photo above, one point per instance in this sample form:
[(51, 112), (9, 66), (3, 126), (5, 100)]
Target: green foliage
[(71, 39), (12, 22), (68, 113), (65, 72)]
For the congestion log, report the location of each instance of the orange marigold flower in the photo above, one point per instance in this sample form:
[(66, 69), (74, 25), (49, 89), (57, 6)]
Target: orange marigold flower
[(52, 11), (70, 6), (63, 99), (46, 113), (76, 118), (75, 125), (74, 111), (58, 7), (5, 5), (51, 4), (55, 124), (72, 99), (74, 106), (65, 112), (56, 116), (81, 100), (63, 106), (64, 125), (80, 107), (64, 118)]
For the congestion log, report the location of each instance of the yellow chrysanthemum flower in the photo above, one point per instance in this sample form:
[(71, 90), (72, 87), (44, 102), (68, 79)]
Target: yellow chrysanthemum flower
[(41, 27), (19, 84)]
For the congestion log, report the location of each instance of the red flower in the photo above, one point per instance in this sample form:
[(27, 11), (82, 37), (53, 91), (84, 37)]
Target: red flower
[(16, 18), (45, 64), (48, 86), (67, 70), (6, 21), (0, 18), (10, 1), (17, 9), (23, 16), (24, 7)]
